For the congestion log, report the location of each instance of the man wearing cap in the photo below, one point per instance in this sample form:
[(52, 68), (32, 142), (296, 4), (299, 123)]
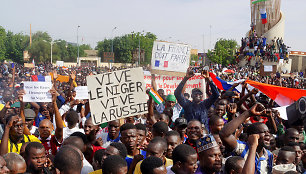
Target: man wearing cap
[(209, 155), (29, 120), (180, 125), (197, 109), (170, 107)]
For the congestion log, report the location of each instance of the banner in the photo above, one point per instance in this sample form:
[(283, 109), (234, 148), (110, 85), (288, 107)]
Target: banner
[(81, 92), (37, 92), (170, 58), (170, 83), (115, 95)]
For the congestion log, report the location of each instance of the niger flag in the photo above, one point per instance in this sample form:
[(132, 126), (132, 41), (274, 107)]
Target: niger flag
[(281, 95)]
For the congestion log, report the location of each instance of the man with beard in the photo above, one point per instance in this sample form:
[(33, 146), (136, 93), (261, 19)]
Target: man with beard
[(197, 109), (264, 158), (209, 155)]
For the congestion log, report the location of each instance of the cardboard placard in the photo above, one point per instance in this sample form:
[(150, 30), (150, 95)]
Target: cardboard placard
[(28, 65), (170, 83), (115, 95), (170, 57), (81, 92), (37, 92)]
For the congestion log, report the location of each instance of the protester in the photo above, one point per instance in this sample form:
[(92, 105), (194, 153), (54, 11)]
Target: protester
[(234, 132)]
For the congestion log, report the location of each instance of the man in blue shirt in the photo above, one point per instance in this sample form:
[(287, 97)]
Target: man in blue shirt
[(197, 109), (263, 158)]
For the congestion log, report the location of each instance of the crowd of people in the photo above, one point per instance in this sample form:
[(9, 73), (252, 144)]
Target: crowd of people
[(184, 134), (254, 46)]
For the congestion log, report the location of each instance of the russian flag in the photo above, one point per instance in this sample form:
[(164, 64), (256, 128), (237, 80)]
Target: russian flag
[(221, 84), (281, 95), (263, 14)]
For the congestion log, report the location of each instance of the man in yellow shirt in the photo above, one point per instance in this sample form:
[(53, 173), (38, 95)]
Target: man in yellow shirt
[(158, 148), (14, 137)]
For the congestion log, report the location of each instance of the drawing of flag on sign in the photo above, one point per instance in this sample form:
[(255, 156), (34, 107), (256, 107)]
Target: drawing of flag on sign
[(156, 63), (166, 64), (256, 1), (155, 96), (263, 14)]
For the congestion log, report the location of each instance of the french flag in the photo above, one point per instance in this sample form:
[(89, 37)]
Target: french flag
[(263, 14)]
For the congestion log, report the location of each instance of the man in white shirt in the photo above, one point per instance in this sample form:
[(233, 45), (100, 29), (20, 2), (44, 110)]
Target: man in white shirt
[(72, 119)]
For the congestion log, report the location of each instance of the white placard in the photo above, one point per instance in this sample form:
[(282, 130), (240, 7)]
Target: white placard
[(37, 92), (268, 68), (115, 95), (81, 92), (170, 83), (59, 63), (169, 56)]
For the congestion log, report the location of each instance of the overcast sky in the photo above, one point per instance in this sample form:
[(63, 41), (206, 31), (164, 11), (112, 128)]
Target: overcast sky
[(183, 21)]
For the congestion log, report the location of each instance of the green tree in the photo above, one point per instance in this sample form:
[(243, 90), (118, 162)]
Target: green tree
[(125, 45), (15, 45), (223, 52), (2, 43)]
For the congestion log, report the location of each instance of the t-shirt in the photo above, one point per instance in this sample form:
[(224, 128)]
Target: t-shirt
[(129, 158), (96, 172), (51, 145), (106, 139), (67, 132), (12, 147), (137, 170), (169, 171)]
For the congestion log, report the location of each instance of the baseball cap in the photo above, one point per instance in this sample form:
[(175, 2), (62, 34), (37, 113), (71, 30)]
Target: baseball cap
[(196, 90), (171, 97), (180, 122), (29, 114)]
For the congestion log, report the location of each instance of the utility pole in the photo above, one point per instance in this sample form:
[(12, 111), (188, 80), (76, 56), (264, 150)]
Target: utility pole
[(210, 36), (78, 45), (203, 58)]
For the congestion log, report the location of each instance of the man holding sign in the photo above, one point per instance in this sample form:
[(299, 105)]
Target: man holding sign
[(116, 95)]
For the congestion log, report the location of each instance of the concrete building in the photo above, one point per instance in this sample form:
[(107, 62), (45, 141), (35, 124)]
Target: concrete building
[(298, 61)]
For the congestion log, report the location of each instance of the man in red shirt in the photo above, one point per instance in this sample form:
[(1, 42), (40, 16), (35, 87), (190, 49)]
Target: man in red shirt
[(51, 142)]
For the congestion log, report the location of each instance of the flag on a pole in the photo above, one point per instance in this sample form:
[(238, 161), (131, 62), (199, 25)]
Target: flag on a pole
[(263, 14), (155, 96), (281, 95), (256, 1)]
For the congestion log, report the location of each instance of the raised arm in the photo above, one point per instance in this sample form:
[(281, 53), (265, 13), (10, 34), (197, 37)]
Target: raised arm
[(249, 165), (6, 134), (178, 91), (58, 117), (26, 130), (214, 91), (226, 134)]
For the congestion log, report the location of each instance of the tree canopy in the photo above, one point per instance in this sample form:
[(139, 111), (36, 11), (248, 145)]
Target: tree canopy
[(12, 47), (223, 52), (123, 46)]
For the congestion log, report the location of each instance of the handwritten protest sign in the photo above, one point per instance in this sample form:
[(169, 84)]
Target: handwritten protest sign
[(170, 58), (81, 92), (37, 92), (170, 83), (116, 95)]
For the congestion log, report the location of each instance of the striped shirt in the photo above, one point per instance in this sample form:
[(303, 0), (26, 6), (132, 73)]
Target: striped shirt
[(263, 164)]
